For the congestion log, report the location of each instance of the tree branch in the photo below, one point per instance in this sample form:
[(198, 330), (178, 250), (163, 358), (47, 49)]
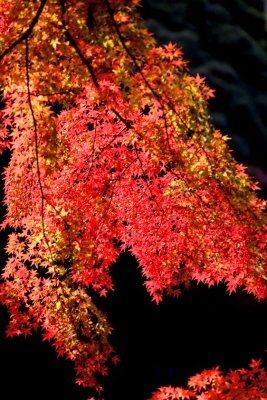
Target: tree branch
[(27, 33), (85, 61), (128, 51), (36, 145), (138, 68)]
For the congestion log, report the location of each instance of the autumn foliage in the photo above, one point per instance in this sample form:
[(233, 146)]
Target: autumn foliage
[(112, 148), (242, 384)]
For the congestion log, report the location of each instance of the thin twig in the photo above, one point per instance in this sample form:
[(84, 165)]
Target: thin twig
[(144, 174), (35, 127), (138, 68), (74, 44)]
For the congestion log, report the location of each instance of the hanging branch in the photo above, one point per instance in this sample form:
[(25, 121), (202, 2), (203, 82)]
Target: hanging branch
[(85, 61), (74, 44), (27, 33), (35, 127), (155, 94), (138, 68)]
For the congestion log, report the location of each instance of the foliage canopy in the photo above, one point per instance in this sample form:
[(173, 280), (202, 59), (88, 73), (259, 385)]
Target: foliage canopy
[(111, 148)]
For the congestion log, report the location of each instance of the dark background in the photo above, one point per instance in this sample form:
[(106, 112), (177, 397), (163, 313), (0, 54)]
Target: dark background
[(225, 41)]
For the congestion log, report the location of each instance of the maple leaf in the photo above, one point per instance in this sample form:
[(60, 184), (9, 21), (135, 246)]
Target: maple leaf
[(198, 80)]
